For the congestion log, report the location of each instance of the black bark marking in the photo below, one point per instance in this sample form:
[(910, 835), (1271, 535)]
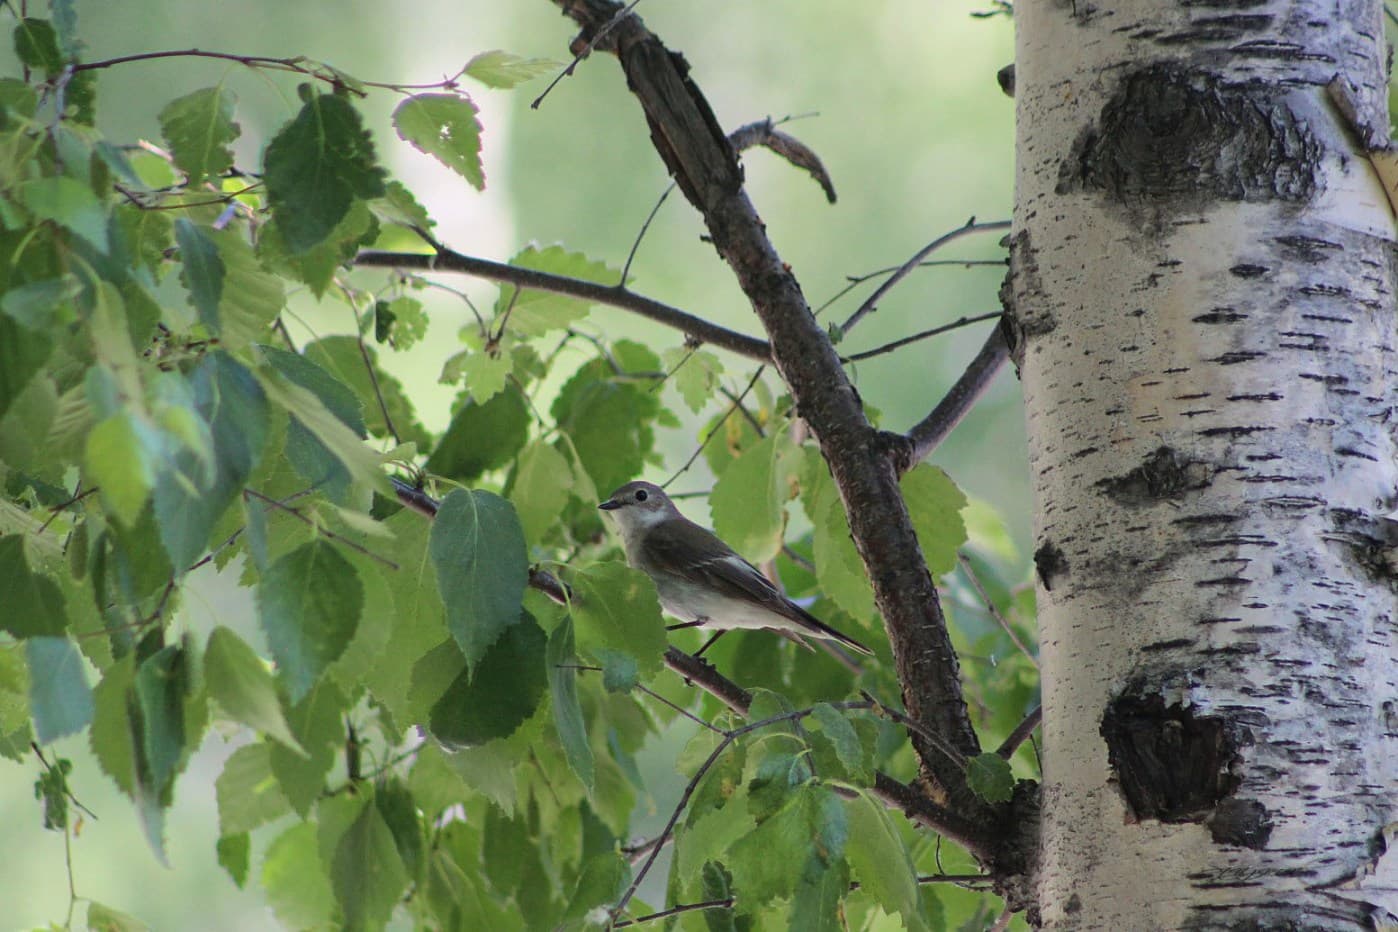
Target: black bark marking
[(1185, 139), (1165, 475), (1050, 562), (1170, 763), (1248, 270), (1242, 822)]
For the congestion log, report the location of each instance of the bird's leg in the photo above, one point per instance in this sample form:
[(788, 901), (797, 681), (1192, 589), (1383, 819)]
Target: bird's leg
[(710, 642), (687, 624)]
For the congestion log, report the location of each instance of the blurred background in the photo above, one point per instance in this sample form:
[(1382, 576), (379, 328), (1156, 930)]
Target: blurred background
[(899, 99)]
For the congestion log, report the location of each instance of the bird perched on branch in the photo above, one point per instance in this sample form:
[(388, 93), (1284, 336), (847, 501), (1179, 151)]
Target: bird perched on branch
[(701, 580)]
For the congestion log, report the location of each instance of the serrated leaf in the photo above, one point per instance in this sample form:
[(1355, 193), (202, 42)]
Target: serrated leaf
[(315, 167), (567, 711), (695, 374), (539, 488), (500, 696), (251, 298), (934, 504), (504, 70), (318, 723), (33, 602), (344, 358), (881, 862), (295, 879), (616, 607), (308, 606), (36, 45), (60, 699), (158, 722), (478, 550), (234, 856), (599, 885), (201, 270), (484, 374), (110, 734), (748, 500), (445, 127), (361, 464), (69, 203), (248, 793), (401, 322), (791, 847), (199, 128), (989, 777), (101, 918), (121, 458), (535, 313), (482, 437), (239, 682), (366, 871), (836, 727)]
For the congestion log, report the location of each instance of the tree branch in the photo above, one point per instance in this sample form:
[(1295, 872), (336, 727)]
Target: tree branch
[(448, 260), (928, 433), (701, 159)]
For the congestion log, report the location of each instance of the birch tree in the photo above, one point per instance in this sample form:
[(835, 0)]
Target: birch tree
[(1202, 297)]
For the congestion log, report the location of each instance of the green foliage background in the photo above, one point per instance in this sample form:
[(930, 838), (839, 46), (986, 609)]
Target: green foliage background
[(917, 138)]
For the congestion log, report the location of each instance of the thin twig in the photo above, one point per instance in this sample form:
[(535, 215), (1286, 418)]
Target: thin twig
[(1021, 733), (922, 335), (584, 52), (1004, 623), (295, 512), (447, 260), (715, 429), (635, 246), (725, 903), (56, 510), (927, 434), (927, 734), (870, 303)]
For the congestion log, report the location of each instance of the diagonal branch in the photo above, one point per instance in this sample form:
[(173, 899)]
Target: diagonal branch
[(448, 260), (701, 159)]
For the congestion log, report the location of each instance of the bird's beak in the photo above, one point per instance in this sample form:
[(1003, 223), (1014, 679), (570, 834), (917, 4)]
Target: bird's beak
[(610, 504)]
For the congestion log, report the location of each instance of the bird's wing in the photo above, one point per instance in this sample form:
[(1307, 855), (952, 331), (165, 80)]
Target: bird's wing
[(692, 551)]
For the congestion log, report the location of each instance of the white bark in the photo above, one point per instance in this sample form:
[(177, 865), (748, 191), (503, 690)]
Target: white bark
[(1203, 278)]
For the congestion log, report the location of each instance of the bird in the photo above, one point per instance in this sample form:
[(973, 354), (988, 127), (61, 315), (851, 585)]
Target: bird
[(700, 579)]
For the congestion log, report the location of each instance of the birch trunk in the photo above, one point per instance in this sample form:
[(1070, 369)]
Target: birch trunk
[(1202, 282)]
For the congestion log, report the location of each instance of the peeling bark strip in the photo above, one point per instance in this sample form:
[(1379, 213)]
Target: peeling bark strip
[(1212, 443), (698, 154), (1191, 139)]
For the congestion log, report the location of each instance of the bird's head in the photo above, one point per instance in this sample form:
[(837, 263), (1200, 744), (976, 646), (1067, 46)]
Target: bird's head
[(639, 505)]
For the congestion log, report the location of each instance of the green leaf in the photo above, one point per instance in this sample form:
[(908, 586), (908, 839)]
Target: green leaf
[(252, 297), (199, 128), (102, 918), (158, 721), (989, 777), (315, 166), (295, 879), (616, 607), (445, 127), (401, 322), (748, 499), (308, 606), (881, 862), (539, 488), (836, 727), (36, 44), (247, 791), (838, 567), (482, 437), (234, 856), (33, 602), (934, 504), (502, 693), (478, 550), (486, 374), (599, 885), (69, 203), (23, 353), (201, 270), (366, 871), (122, 458), (240, 683), (790, 848), (534, 313), (110, 735), (418, 610), (567, 711), (318, 724), (189, 504), (503, 70), (695, 374), (59, 698), (36, 305), (343, 357), (399, 809)]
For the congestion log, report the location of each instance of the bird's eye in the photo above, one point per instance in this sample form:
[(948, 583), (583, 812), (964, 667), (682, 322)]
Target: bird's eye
[(641, 495)]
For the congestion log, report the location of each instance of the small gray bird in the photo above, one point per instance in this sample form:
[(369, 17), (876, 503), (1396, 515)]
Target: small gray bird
[(700, 579)]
